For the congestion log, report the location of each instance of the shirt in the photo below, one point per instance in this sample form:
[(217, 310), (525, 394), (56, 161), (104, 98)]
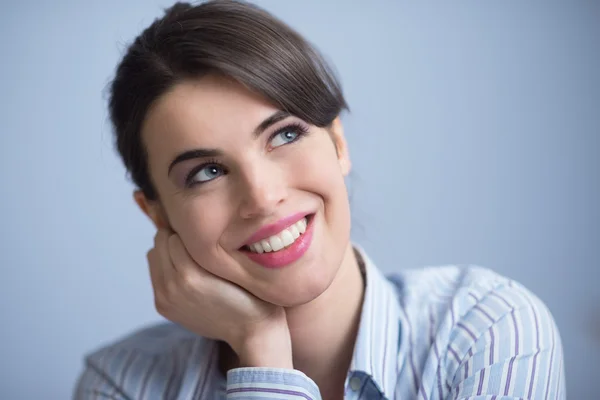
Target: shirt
[(444, 332)]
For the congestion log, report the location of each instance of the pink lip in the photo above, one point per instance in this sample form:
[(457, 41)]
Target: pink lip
[(281, 258), (272, 229)]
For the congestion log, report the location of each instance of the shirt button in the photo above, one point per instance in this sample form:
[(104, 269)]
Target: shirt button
[(355, 384)]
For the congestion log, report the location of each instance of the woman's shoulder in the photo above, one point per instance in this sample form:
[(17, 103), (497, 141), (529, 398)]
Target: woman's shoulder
[(155, 358), (480, 328), (153, 340), (463, 286), (468, 304)]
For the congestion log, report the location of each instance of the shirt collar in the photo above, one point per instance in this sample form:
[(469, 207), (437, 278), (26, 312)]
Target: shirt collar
[(378, 341)]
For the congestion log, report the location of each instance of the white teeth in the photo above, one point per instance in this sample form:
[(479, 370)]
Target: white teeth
[(287, 238), (302, 226), (283, 239), (294, 231), (276, 243), (265, 245)]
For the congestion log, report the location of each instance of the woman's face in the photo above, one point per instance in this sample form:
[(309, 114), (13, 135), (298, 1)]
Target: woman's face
[(247, 171)]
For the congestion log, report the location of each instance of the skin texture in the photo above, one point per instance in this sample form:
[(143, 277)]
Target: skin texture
[(302, 316)]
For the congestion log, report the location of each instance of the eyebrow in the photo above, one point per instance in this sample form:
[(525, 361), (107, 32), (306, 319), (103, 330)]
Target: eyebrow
[(273, 119), (203, 153)]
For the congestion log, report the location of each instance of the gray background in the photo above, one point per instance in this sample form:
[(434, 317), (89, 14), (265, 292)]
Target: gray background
[(474, 132)]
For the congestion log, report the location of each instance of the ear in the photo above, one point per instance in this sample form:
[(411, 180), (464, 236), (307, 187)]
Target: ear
[(341, 147), (153, 209)]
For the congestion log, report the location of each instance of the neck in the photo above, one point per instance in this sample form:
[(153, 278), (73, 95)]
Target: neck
[(324, 331)]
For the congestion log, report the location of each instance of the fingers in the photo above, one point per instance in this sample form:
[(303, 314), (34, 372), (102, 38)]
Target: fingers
[(173, 270), (159, 263), (162, 272), (187, 269), (161, 245), (155, 269)]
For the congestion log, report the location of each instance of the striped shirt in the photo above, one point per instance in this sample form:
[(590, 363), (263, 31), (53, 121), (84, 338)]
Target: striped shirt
[(449, 332)]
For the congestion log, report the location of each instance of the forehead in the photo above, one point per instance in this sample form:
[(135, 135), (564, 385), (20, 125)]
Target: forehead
[(208, 112)]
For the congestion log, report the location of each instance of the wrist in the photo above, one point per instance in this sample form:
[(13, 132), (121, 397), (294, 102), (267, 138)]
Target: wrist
[(271, 348)]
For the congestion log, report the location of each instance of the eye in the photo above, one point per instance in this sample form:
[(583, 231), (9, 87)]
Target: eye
[(206, 173), (285, 136)]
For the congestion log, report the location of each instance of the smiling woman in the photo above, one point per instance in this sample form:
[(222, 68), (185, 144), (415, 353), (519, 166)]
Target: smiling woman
[(229, 123)]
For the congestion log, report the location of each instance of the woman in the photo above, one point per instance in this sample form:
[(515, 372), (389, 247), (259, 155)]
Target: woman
[(228, 122)]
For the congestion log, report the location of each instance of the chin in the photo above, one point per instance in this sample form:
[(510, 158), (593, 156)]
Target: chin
[(302, 285), (298, 293)]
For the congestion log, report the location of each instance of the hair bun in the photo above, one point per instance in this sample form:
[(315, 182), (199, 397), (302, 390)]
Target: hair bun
[(177, 9)]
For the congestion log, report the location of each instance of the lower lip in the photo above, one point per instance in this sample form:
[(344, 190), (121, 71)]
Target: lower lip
[(288, 255)]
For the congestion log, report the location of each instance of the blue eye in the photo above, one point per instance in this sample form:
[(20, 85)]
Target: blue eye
[(284, 137), (288, 134), (206, 173)]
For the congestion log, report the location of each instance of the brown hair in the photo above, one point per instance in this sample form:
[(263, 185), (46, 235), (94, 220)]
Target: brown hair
[(228, 37)]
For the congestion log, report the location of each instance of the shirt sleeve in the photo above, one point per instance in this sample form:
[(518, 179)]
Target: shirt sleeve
[(93, 385), (268, 383), (509, 348)]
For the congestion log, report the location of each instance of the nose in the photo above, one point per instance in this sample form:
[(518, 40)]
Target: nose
[(263, 190)]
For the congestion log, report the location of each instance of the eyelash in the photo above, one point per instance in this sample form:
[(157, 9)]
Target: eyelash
[(296, 127), (194, 171)]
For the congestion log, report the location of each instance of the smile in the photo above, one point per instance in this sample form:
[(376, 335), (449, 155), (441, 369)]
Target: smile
[(283, 239), (283, 247)]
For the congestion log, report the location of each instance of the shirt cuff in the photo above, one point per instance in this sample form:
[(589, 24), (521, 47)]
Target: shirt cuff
[(263, 383)]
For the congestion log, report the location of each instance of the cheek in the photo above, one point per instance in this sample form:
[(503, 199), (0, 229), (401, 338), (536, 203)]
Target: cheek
[(200, 224), (324, 171), (318, 167), (322, 176)]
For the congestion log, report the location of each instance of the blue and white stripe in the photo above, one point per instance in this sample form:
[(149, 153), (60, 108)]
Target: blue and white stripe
[(451, 332)]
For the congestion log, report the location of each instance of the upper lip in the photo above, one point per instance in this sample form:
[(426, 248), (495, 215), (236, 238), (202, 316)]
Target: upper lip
[(274, 228)]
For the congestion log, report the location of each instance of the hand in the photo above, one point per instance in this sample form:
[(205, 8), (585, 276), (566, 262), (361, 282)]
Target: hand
[(210, 306)]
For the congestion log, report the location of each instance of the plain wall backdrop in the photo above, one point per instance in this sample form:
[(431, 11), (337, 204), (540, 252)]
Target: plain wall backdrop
[(474, 134)]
